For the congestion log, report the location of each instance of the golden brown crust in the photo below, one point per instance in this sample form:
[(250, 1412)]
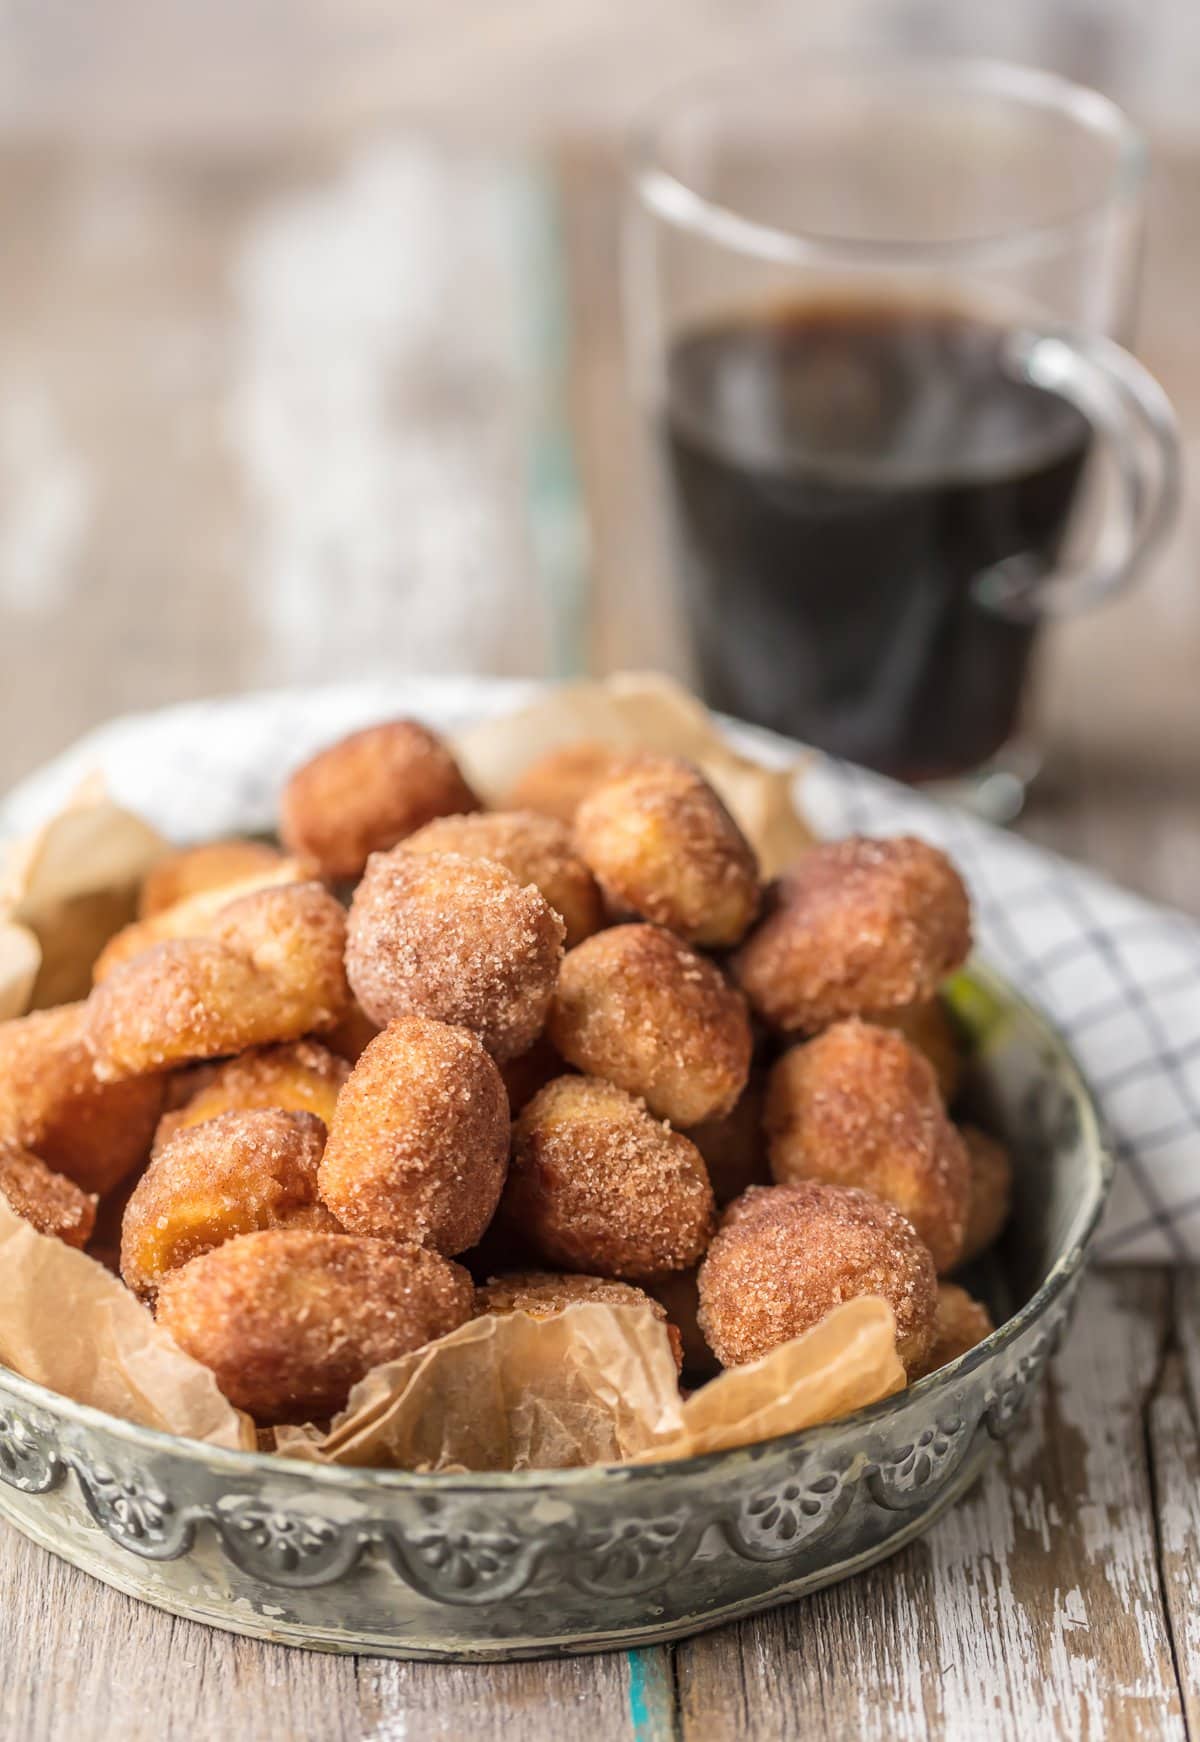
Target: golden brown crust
[(50, 1201), (961, 1323), (196, 917), (930, 1028), (787, 1255), (543, 1293), (664, 847), (231, 1175), (369, 791), (458, 940), (735, 1148), (858, 1106), (270, 970), (301, 1076), (558, 782), (989, 1198), (856, 927), (289, 1320), (51, 1101), (418, 1147), (598, 1185), (636, 1006), (195, 870), (536, 849)]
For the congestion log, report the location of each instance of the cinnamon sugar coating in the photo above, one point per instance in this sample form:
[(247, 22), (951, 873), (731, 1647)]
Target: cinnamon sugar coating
[(664, 847), (270, 969), (53, 1103), (301, 1076), (557, 783), (989, 1196), (735, 1147), (195, 917), (636, 1006), (960, 1324), (854, 928), (288, 1320), (930, 1028), (598, 1185), (50, 1201), (536, 849), (196, 870), (787, 1255), (858, 1106), (231, 1175), (367, 792), (455, 939), (418, 1145), (543, 1293)]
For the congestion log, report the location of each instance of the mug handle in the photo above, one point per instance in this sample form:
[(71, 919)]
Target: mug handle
[(1128, 409)]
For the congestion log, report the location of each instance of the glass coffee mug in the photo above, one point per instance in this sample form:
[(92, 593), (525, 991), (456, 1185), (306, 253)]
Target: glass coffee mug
[(877, 310)]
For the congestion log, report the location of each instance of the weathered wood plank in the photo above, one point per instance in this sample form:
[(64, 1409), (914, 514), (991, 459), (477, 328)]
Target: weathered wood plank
[(1034, 1608), (1174, 1434)]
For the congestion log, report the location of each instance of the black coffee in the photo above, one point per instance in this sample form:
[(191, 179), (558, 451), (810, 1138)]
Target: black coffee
[(843, 474)]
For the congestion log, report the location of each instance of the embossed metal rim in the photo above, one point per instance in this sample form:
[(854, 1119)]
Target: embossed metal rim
[(332, 1477)]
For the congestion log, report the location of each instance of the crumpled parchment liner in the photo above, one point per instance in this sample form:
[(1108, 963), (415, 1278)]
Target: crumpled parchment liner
[(69, 1324), (594, 1384), (642, 711), (64, 891)]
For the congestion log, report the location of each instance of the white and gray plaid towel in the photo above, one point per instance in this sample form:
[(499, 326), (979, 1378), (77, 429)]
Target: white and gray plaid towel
[(1119, 977)]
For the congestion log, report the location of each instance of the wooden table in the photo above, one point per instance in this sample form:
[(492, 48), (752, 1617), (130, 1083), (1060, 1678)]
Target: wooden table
[(1062, 1597)]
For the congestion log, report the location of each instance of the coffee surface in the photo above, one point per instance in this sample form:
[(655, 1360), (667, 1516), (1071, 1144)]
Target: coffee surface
[(843, 475)]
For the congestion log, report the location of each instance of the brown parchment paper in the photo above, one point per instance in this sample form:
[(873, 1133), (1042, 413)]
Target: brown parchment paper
[(64, 890), (69, 1324), (594, 1384), (642, 711)]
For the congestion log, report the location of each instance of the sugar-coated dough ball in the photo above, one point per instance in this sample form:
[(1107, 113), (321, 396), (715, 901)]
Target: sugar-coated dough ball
[(418, 1146), (198, 870), (785, 1256), (664, 847), (459, 940), (961, 1323), (367, 792), (289, 1320), (856, 927), (930, 1028), (535, 849), (232, 1175), (557, 783), (989, 1198), (858, 1106), (49, 1201), (598, 1185), (301, 1076), (638, 1007)]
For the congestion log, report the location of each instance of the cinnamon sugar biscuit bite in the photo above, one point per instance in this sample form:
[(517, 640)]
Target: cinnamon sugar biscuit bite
[(300, 1077), (367, 792), (989, 1197), (542, 1294), (53, 1103), (197, 870), (930, 1028), (270, 969), (858, 1106), (598, 1185), (636, 1006), (232, 1175), (455, 939), (418, 1144), (51, 1202), (786, 1255), (194, 917), (961, 1323), (856, 927), (535, 849), (664, 847), (288, 1320), (557, 783)]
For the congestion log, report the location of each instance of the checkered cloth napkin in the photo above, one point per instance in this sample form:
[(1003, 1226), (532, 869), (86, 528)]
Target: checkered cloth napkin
[(1119, 977)]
